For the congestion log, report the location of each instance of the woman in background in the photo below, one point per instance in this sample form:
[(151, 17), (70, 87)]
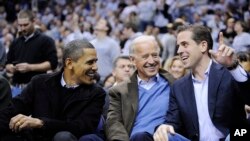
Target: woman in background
[(175, 67)]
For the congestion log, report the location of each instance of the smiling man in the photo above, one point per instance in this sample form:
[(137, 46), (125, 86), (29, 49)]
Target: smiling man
[(62, 106), (209, 102), (139, 104)]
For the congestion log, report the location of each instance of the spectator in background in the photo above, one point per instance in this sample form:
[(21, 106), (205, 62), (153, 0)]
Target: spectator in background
[(138, 105), (60, 106), (107, 48), (175, 66), (123, 69), (30, 54), (244, 60), (5, 92), (2, 57), (108, 82), (229, 32), (241, 41), (130, 33), (146, 12)]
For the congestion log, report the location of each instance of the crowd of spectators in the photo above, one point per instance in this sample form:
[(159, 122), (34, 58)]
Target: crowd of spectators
[(65, 20), (111, 26)]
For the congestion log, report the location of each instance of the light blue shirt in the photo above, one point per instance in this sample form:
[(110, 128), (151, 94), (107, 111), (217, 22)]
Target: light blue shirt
[(208, 132)]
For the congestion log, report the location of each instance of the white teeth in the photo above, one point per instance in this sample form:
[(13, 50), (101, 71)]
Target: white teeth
[(91, 74)]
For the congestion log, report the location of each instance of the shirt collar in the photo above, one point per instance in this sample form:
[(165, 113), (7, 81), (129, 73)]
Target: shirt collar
[(63, 83), (28, 37), (206, 72), (152, 79)]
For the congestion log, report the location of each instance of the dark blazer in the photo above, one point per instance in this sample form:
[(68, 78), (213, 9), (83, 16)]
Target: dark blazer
[(41, 99), (225, 103), (123, 108), (5, 92)]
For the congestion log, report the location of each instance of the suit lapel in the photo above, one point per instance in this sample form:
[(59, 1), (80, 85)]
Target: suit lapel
[(215, 76), (133, 93), (189, 97)]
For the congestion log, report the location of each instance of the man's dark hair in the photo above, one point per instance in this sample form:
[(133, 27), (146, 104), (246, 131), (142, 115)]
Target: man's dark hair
[(244, 26), (199, 33), (109, 28), (74, 49), (119, 58), (131, 25), (243, 56)]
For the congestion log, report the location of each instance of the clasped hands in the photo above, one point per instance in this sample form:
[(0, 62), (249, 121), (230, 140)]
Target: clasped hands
[(20, 122)]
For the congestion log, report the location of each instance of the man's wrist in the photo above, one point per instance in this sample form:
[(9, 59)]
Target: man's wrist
[(234, 65)]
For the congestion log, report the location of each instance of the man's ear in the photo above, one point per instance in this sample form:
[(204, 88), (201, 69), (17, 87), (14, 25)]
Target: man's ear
[(204, 46), (132, 59), (69, 63)]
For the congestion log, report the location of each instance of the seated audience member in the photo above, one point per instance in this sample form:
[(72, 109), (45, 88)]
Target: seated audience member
[(122, 69), (59, 106), (208, 102), (244, 60), (139, 104), (108, 82), (175, 66), (5, 92)]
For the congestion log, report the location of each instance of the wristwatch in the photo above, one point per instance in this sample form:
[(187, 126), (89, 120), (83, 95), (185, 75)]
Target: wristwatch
[(234, 66)]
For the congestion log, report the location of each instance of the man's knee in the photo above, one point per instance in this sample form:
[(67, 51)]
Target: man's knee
[(64, 136), (141, 136)]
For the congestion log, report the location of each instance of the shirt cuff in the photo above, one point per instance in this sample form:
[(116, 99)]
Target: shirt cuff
[(239, 74)]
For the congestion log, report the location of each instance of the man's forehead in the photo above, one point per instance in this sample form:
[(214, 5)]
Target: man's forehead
[(23, 21)]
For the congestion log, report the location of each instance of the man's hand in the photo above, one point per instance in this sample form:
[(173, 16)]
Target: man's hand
[(161, 133), (23, 67), (247, 110), (20, 122), (10, 68), (225, 54)]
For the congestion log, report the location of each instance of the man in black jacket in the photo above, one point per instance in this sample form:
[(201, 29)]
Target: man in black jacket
[(31, 54), (65, 105)]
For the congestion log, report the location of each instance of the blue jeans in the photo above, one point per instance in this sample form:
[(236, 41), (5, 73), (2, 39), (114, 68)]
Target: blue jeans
[(142, 136), (91, 137)]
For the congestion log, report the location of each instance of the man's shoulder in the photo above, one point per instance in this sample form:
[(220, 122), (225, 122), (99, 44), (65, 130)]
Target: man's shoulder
[(167, 76), (121, 87), (183, 80), (45, 76)]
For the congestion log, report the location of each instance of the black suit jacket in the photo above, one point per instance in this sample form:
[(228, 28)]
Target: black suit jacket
[(225, 103), (41, 99)]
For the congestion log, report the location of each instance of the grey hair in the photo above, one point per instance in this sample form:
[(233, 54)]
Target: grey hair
[(74, 49), (141, 39)]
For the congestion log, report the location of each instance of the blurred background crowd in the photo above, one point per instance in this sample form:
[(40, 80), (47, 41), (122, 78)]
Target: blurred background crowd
[(120, 21)]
